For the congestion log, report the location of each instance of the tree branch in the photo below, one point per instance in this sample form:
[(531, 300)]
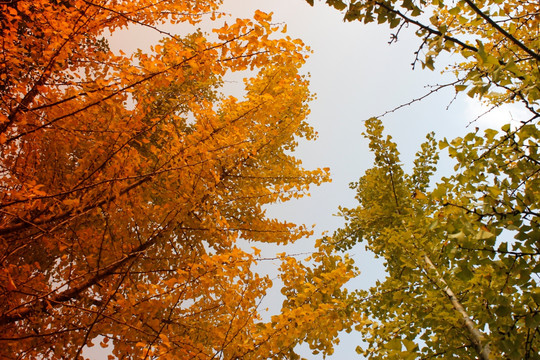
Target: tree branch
[(502, 31), (476, 336), (425, 27), (74, 292)]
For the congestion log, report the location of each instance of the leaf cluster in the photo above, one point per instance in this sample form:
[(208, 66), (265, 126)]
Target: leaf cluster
[(496, 41), (464, 249), (127, 180)]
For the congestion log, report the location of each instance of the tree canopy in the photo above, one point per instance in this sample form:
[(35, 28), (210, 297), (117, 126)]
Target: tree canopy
[(127, 180), (462, 254), (461, 257), (497, 41)]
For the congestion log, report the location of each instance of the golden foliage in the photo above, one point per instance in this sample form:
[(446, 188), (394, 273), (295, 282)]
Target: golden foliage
[(126, 180)]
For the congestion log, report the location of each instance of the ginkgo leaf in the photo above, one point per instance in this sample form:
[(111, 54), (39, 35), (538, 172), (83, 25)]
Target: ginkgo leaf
[(128, 179)]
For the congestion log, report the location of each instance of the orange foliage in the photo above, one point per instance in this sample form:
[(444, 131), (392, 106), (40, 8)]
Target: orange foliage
[(126, 180)]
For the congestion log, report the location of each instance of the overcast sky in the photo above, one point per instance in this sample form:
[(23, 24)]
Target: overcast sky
[(356, 74)]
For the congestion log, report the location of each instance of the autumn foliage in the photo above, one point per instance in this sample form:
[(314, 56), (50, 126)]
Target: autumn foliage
[(127, 180), (461, 252)]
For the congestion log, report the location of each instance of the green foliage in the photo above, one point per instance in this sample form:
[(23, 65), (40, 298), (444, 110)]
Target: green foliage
[(475, 234), (462, 256), (497, 41)]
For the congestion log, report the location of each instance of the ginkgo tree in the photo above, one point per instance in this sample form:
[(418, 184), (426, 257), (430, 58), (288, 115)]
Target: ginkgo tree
[(462, 255), (497, 41), (126, 181), (461, 258)]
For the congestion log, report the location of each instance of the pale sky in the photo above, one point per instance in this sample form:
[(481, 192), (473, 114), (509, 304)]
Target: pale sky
[(356, 74)]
